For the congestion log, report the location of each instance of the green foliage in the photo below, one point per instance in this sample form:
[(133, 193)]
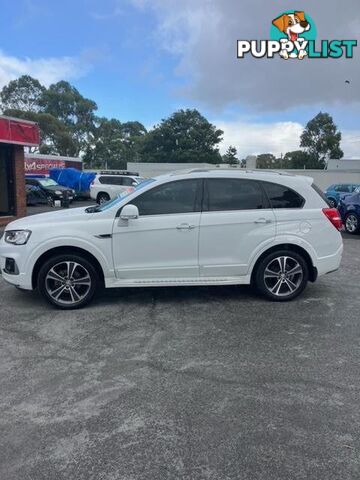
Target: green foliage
[(321, 139), (266, 160), (230, 156), (184, 137), (77, 113), (300, 159), (23, 94), (113, 143)]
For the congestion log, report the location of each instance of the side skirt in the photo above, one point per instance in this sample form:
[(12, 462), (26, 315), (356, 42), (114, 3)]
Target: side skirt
[(178, 282)]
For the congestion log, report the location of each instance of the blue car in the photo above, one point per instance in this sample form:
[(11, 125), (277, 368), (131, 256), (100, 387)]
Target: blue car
[(336, 191), (349, 208)]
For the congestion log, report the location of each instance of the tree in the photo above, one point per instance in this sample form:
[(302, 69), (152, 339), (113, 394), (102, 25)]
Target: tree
[(265, 160), (300, 159), (23, 94), (113, 143), (184, 137), (77, 113), (321, 139), (230, 156)]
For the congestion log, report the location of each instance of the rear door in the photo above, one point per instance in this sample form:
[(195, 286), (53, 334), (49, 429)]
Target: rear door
[(235, 224)]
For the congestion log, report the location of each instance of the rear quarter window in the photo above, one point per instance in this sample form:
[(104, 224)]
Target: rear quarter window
[(320, 192), (281, 196)]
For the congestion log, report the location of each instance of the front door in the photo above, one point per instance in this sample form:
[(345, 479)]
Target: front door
[(235, 224), (163, 242)]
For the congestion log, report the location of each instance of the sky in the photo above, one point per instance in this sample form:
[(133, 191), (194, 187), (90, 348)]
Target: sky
[(144, 59)]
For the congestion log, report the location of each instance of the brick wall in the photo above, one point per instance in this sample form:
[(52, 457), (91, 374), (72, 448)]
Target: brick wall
[(19, 178)]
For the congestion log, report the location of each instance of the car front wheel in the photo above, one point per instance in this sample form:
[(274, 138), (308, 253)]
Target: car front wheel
[(352, 223), (68, 281), (281, 276)]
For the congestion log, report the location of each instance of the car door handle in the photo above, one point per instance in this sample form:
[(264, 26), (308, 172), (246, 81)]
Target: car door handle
[(262, 220), (185, 226)]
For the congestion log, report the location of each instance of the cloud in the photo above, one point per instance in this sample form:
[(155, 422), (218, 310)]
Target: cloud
[(203, 35), (277, 138), (46, 70), (255, 138)]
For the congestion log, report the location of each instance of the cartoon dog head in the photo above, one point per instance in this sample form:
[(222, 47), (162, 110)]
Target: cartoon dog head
[(292, 24)]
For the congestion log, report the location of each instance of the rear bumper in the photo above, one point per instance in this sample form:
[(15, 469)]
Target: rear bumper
[(330, 263)]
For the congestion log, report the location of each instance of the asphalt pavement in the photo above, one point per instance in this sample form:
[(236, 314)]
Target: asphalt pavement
[(184, 383)]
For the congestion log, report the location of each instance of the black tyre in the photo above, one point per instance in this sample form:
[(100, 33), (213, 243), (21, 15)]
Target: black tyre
[(332, 202), (281, 276), (68, 281), (102, 198), (352, 223)]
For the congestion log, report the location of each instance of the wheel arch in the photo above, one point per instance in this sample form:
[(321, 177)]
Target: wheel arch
[(291, 248), (64, 250)]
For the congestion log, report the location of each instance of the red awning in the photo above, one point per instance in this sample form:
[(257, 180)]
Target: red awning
[(19, 132)]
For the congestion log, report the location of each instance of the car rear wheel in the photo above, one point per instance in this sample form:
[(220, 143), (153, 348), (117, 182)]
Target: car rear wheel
[(68, 281), (332, 202), (282, 276), (102, 198), (352, 223)]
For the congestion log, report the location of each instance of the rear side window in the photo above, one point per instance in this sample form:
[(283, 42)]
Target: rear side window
[(173, 197), (281, 196), (110, 180), (225, 194)]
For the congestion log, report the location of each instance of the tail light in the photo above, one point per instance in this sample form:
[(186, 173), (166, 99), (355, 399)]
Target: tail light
[(334, 216)]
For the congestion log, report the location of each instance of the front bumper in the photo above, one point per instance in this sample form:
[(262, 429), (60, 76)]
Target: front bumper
[(19, 254)]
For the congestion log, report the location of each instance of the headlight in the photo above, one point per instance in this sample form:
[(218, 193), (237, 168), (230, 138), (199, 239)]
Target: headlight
[(58, 192), (17, 237)]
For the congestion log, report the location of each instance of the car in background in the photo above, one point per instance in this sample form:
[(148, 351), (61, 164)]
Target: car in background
[(108, 184), (50, 189), (349, 209), (336, 191)]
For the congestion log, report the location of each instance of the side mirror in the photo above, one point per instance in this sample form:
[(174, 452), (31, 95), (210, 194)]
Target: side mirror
[(129, 212), (134, 184)]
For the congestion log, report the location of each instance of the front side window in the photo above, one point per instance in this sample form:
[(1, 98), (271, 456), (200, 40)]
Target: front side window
[(282, 197), (174, 197), (224, 194)]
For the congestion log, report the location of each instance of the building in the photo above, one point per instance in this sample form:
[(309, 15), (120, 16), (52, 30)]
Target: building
[(344, 165), (15, 134), (41, 164)]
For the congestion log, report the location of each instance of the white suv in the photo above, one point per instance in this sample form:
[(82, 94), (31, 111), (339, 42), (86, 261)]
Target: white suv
[(107, 185), (194, 228)]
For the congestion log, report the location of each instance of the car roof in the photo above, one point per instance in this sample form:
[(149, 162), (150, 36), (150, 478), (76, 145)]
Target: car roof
[(269, 176)]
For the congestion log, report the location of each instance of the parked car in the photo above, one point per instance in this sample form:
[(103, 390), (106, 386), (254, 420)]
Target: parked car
[(212, 227), (108, 184), (349, 208), (34, 196), (336, 191), (51, 189)]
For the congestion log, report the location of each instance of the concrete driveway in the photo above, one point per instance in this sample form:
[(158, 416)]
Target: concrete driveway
[(184, 383)]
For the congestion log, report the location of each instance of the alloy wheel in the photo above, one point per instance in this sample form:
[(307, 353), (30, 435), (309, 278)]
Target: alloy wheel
[(68, 283), (283, 276), (352, 223)]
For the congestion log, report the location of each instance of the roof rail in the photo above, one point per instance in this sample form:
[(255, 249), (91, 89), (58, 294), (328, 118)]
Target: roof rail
[(119, 172)]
